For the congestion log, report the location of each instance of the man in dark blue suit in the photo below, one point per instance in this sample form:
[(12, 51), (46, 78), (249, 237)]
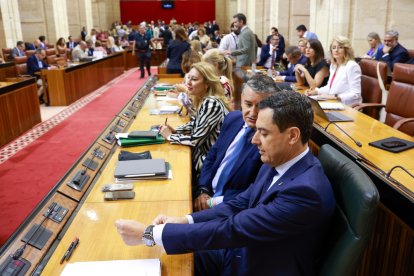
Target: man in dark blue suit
[(213, 187), (294, 56), (392, 52), (269, 54), (278, 225), (34, 64)]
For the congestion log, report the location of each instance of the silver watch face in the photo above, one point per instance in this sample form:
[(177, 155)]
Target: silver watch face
[(148, 241)]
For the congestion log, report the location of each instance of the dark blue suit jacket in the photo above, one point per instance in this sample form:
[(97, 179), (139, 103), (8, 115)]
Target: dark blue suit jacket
[(245, 170), (33, 65), (265, 54), (275, 232), (397, 55), (290, 72)]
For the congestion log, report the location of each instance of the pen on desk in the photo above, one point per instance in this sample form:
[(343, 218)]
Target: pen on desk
[(75, 244), (67, 252), (165, 123)]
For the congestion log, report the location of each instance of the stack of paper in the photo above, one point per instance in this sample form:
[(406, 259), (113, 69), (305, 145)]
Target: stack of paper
[(166, 109), (146, 267), (332, 105)]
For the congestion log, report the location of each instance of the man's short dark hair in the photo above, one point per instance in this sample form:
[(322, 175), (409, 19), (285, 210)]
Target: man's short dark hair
[(290, 109), (262, 84), (240, 17), (20, 43), (293, 50), (42, 38), (39, 51), (301, 28)]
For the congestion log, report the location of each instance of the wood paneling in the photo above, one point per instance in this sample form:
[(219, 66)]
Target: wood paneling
[(19, 107), (7, 70)]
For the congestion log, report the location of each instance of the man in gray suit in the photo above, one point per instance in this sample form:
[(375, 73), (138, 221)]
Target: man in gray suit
[(245, 52), (17, 51)]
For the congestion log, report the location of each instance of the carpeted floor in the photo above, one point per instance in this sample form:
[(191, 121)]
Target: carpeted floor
[(32, 164)]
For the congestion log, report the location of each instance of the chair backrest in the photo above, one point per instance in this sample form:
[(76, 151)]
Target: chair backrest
[(50, 52), (29, 53), (6, 53), (21, 65), (410, 53), (356, 205), (400, 99), (51, 60), (370, 88)]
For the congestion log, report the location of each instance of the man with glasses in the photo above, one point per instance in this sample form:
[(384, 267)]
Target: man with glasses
[(393, 52), (269, 53)]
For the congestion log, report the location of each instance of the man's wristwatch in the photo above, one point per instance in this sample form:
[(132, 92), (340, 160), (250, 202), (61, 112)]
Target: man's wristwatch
[(148, 236)]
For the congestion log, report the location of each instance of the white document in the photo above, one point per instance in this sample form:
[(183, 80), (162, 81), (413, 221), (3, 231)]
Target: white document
[(144, 267), (332, 105)]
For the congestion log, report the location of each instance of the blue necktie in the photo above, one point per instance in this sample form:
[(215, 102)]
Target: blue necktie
[(238, 148)]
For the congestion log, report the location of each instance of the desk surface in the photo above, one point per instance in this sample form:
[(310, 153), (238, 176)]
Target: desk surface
[(94, 222)]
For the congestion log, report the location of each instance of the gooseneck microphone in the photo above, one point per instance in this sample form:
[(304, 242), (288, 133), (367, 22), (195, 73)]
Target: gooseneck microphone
[(355, 141), (388, 175)]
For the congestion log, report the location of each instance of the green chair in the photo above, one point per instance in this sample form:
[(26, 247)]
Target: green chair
[(356, 204)]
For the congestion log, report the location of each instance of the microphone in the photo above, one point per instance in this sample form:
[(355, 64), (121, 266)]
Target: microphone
[(14, 264), (388, 175), (355, 141), (81, 177)]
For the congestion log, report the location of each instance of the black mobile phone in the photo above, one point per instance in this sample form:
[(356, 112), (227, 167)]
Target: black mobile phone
[(119, 195), (393, 144)]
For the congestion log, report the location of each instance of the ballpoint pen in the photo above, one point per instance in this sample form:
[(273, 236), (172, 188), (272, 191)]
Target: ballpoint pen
[(70, 249), (75, 244), (159, 130)]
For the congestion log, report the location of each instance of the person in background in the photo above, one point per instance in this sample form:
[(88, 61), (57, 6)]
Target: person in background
[(61, 45), (110, 45), (92, 37), (71, 44), (117, 45), (166, 35), (302, 45), (175, 51), (229, 41), (294, 57), (100, 48), (35, 63), (42, 42), (316, 71), (345, 74), (224, 70), (203, 37), (227, 173), (269, 53), (29, 46), (303, 32), (392, 52), (78, 53), (141, 45), (17, 51), (278, 226), (375, 45), (281, 44), (207, 94), (84, 33), (246, 51)]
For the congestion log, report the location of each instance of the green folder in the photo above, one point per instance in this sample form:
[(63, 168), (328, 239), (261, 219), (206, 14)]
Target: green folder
[(132, 142)]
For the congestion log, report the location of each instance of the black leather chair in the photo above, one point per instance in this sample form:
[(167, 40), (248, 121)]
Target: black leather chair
[(357, 201)]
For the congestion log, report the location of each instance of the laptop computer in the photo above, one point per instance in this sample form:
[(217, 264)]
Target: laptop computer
[(329, 116)]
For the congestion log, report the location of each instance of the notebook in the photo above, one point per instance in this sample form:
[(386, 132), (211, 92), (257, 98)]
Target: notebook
[(329, 116), (143, 134), (145, 168)]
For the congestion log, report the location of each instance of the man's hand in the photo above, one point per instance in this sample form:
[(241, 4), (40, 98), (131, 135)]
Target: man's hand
[(200, 203), (386, 49), (131, 231), (163, 219)]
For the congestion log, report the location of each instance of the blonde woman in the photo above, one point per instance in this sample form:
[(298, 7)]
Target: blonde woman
[(201, 132), (375, 45), (345, 74), (196, 45), (224, 69)]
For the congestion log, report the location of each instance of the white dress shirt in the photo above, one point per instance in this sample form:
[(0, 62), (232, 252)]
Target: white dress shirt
[(229, 42)]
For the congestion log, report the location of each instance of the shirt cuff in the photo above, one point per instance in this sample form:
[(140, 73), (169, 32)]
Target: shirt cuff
[(190, 219), (384, 55), (168, 138), (218, 200), (157, 234)]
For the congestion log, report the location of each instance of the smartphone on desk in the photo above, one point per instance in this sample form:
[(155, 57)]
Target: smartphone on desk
[(119, 195), (393, 144), (117, 187)]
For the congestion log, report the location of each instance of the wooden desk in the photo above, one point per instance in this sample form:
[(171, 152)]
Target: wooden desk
[(94, 222), (67, 85), (7, 70), (19, 109)]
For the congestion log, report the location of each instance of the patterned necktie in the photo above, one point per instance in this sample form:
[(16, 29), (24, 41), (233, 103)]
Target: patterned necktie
[(238, 148)]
